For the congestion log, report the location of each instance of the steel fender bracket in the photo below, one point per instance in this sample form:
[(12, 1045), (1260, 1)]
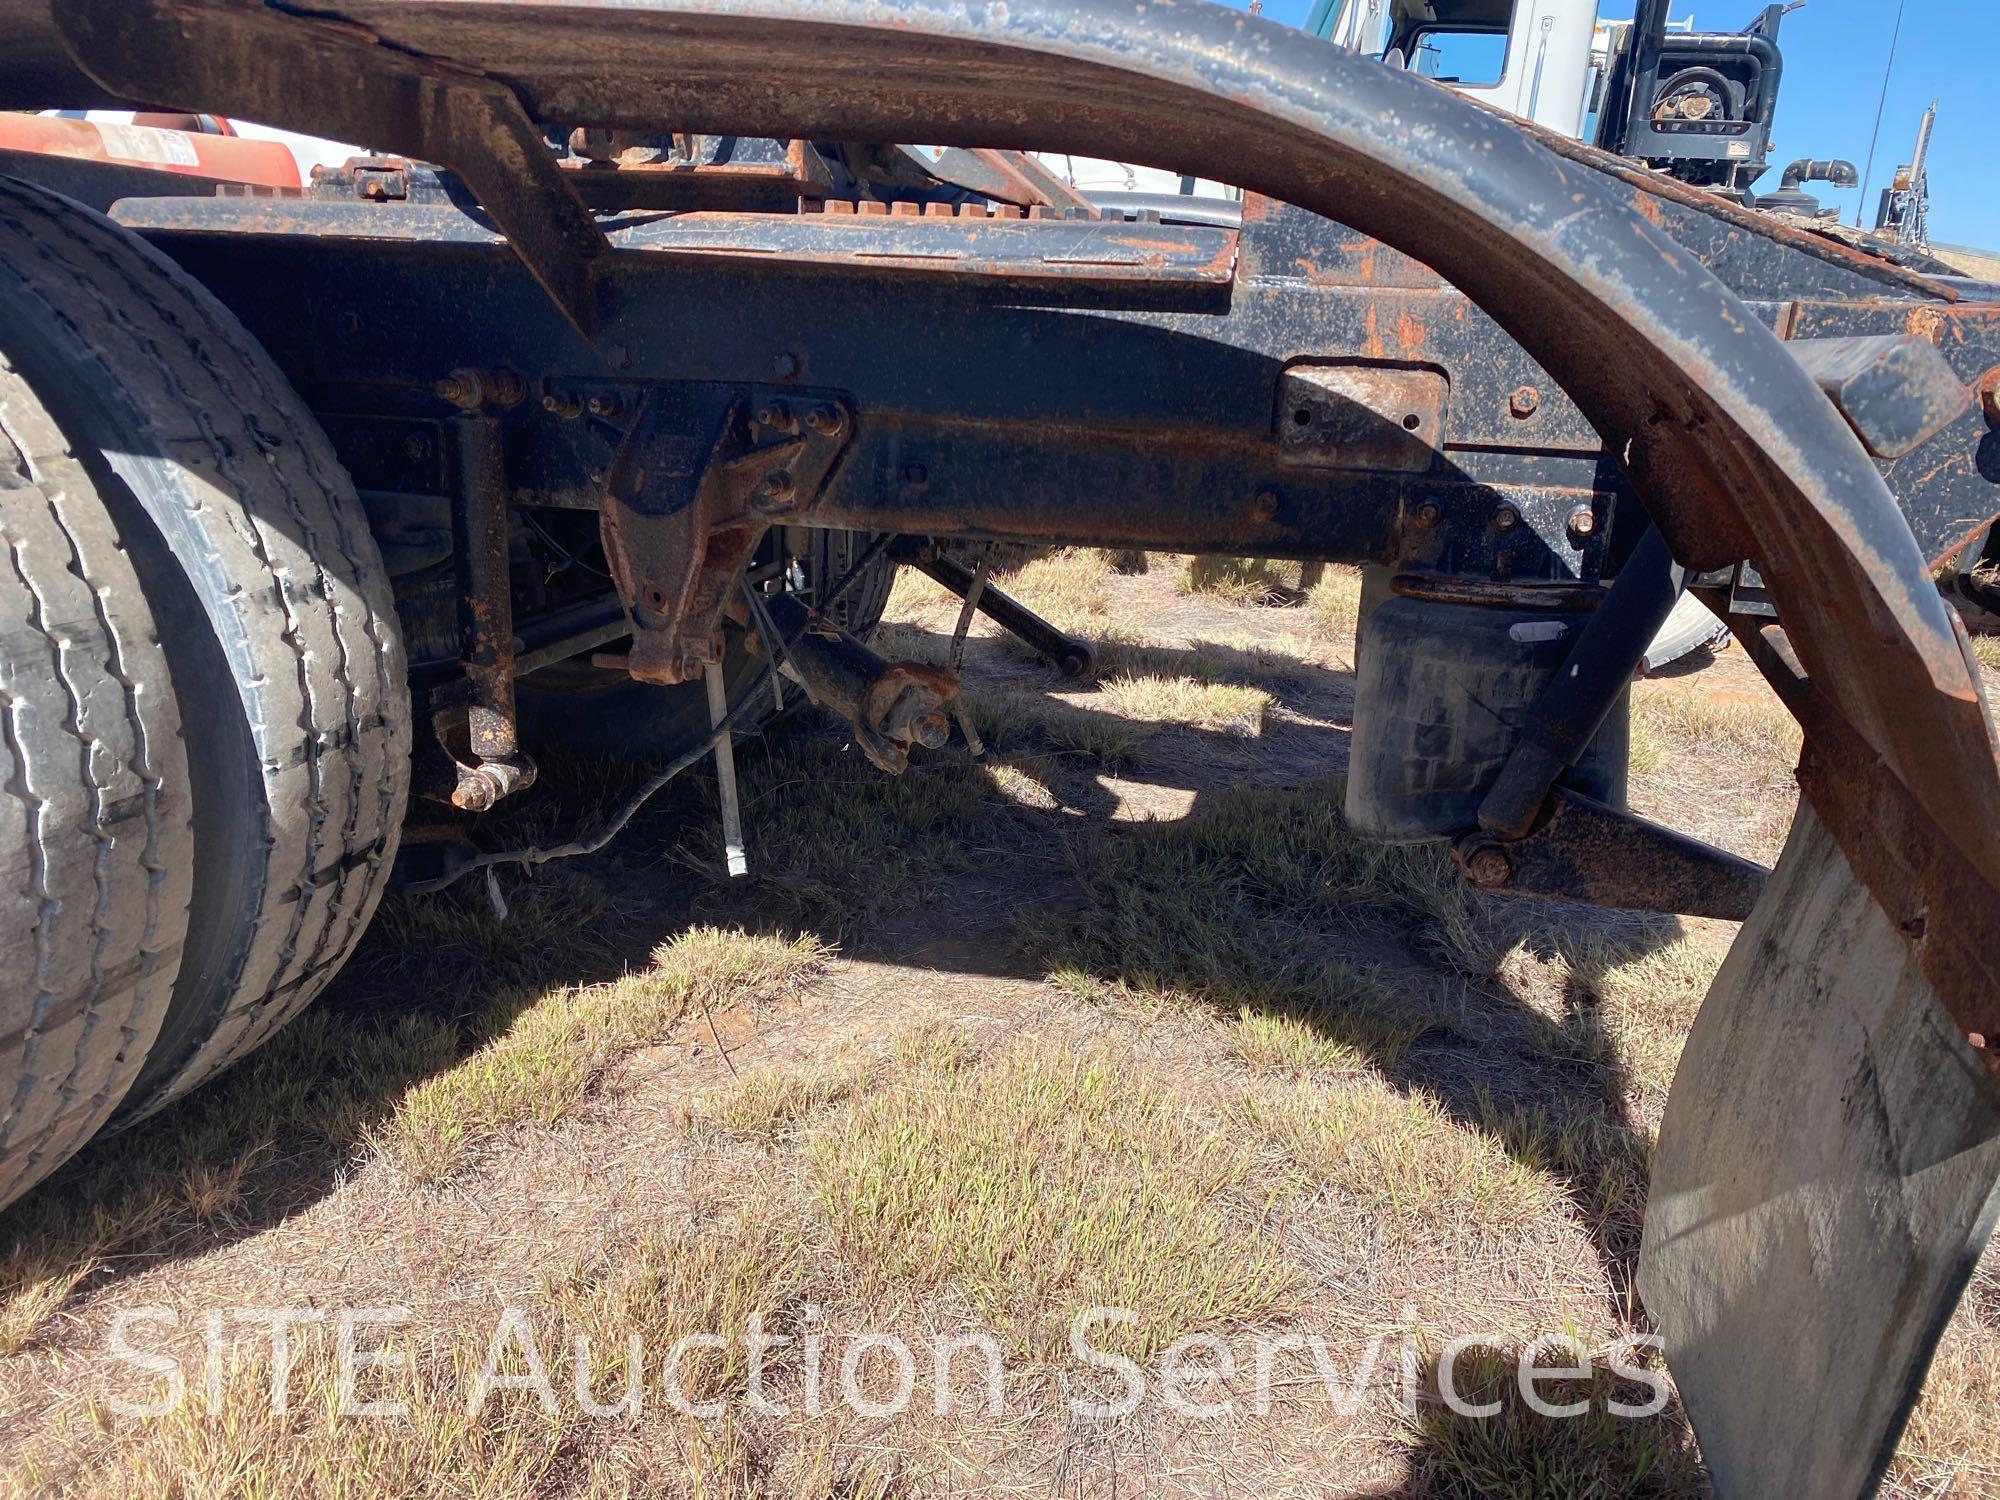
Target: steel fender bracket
[(1896, 391), (1585, 851), (1823, 1185), (323, 76)]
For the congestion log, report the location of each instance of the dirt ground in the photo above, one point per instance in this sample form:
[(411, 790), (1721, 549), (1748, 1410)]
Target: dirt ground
[(1117, 1017)]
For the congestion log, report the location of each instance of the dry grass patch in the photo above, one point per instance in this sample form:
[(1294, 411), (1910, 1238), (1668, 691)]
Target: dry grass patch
[(239, 1448), (1325, 1039), (541, 1065), (1228, 707), (1518, 1453), (1069, 587), (1014, 719), (1228, 906), (1046, 1182), (932, 1046), (845, 845), (1682, 717), (1239, 580), (1023, 779), (712, 1278), (1398, 1157), (1952, 1445), (1986, 651), (1336, 600), (771, 1103)]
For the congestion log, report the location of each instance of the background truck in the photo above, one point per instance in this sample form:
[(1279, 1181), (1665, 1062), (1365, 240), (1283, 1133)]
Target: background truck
[(625, 370)]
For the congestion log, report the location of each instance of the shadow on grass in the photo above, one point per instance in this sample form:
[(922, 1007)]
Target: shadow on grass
[(1261, 903), (1259, 899), (1493, 1445), (435, 980)]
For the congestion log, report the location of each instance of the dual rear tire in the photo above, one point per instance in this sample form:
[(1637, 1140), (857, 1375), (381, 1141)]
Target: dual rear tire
[(204, 717)]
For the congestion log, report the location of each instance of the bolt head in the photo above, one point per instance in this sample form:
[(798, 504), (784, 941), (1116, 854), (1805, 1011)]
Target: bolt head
[(1265, 506), (826, 419), (1428, 515), (1506, 518), (604, 404), (1582, 521), (784, 366), (1489, 867), (1989, 396), (915, 476), (1524, 401)]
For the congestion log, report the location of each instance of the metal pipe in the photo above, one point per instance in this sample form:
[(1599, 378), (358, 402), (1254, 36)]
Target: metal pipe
[(725, 772), (486, 605), (1070, 656)]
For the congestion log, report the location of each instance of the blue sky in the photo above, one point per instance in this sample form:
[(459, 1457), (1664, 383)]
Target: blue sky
[(1834, 55)]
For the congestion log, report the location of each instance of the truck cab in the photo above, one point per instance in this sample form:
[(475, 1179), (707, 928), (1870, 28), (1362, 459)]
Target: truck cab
[(1531, 58), (1697, 105)]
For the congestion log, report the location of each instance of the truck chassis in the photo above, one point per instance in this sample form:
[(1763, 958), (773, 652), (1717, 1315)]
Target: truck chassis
[(1501, 370)]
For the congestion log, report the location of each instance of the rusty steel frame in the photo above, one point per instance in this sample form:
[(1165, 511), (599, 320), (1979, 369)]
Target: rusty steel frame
[(1731, 446)]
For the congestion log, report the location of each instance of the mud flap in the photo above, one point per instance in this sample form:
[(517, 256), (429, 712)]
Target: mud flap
[(1824, 1182)]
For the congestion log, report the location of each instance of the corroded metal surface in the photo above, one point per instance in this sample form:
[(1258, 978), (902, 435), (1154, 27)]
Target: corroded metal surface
[(1732, 447), (1585, 851)]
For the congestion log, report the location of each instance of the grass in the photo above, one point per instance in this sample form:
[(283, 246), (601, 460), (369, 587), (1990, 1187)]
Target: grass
[(1644, 1001), (1986, 651), (844, 845), (1018, 719), (1069, 587), (1045, 1182), (1331, 592), (1228, 707), (770, 1104), (714, 1278), (1677, 717), (1327, 1039), (1398, 1157), (1225, 906), (1336, 600), (1952, 1445), (1518, 1453), (1239, 580), (933, 1046), (240, 1448), (541, 1065)]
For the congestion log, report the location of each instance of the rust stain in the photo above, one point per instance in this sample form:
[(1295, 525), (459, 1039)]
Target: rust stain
[(1409, 332), (1374, 334), (1926, 322)]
